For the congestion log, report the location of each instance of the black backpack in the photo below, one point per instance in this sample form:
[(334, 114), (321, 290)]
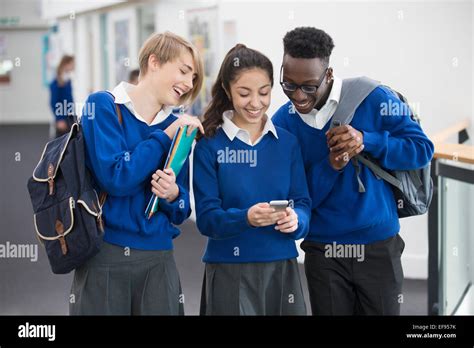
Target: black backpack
[(412, 189), (67, 208)]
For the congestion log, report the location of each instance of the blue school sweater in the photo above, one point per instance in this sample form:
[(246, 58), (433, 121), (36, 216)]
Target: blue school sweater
[(122, 159), (63, 96), (230, 177), (339, 212)]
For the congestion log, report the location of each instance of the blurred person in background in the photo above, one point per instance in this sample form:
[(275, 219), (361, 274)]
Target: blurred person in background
[(61, 101), (133, 76)]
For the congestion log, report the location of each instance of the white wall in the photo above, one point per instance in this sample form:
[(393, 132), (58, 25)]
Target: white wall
[(127, 13), (53, 9), (82, 52)]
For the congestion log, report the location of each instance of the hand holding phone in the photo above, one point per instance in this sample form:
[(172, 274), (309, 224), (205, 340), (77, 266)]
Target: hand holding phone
[(289, 223), (263, 214), (279, 205)]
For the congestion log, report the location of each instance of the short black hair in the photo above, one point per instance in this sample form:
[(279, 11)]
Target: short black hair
[(308, 42)]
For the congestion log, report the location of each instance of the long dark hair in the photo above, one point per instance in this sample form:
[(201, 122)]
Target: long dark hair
[(238, 59)]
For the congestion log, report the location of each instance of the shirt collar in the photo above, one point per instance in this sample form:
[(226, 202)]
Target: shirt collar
[(334, 96), (120, 93), (231, 129)]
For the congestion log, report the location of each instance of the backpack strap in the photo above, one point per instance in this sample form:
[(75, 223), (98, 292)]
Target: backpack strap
[(103, 195), (353, 93), (379, 172)]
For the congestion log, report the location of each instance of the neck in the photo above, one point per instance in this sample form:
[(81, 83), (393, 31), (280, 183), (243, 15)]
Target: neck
[(60, 80), (255, 129), (144, 101)]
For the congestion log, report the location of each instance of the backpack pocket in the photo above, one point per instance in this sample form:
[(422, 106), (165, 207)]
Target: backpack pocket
[(70, 231)]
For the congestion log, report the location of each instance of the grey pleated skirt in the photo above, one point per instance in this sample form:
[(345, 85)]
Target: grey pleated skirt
[(264, 288), (114, 282)]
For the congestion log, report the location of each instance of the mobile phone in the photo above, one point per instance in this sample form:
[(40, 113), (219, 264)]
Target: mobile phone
[(279, 205)]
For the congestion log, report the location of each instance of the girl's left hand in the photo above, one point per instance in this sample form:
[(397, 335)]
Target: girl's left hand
[(289, 223), (164, 184)]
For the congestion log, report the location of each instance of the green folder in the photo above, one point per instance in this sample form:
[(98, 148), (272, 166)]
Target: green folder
[(177, 155)]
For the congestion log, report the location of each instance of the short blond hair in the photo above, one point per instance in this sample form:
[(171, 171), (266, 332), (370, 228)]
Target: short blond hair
[(168, 47)]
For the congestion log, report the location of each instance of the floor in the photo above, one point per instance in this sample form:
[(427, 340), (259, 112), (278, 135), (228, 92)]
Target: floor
[(29, 288)]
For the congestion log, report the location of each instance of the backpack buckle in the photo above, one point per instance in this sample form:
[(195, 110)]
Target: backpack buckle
[(60, 231), (51, 179)]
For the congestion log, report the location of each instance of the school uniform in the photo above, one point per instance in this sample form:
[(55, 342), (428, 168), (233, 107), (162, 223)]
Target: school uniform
[(135, 272), (341, 214), (249, 270), (62, 104)]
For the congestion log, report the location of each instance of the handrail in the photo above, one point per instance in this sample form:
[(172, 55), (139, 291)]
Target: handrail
[(457, 152), (452, 130)]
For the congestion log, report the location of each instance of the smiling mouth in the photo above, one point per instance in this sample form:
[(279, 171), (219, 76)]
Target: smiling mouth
[(253, 112), (178, 92), (302, 105)]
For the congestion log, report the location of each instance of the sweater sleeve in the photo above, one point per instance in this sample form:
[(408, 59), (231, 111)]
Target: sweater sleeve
[(299, 194), (212, 220), (398, 141), (179, 209), (118, 169), (54, 99)]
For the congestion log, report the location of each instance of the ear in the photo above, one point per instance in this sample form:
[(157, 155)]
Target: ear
[(153, 63), (330, 75)]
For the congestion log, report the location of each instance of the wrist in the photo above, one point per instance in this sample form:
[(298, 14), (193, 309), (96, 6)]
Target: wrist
[(174, 194), (249, 222)]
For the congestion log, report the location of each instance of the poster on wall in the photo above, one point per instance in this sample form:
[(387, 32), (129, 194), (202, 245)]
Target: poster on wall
[(6, 65), (52, 51), (202, 32)]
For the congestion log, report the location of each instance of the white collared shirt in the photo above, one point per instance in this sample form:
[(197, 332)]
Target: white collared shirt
[(232, 130), (120, 92), (319, 118)]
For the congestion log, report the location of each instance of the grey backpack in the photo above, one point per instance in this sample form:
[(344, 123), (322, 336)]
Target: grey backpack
[(413, 189)]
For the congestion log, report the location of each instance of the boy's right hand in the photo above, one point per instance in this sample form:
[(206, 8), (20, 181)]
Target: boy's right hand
[(261, 214)]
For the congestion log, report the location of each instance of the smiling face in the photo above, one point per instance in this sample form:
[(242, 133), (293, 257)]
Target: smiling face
[(250, 94), (173, 80), (307, 71)]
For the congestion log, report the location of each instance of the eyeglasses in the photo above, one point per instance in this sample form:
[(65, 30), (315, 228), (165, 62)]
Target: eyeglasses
[(292, 87)]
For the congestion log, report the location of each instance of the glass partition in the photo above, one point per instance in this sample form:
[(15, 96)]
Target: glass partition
[(456, 237)]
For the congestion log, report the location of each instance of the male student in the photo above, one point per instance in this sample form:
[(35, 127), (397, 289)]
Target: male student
[(368, 280)]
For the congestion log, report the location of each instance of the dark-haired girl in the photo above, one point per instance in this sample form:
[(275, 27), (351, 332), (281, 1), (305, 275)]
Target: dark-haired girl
[(243, 164)]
